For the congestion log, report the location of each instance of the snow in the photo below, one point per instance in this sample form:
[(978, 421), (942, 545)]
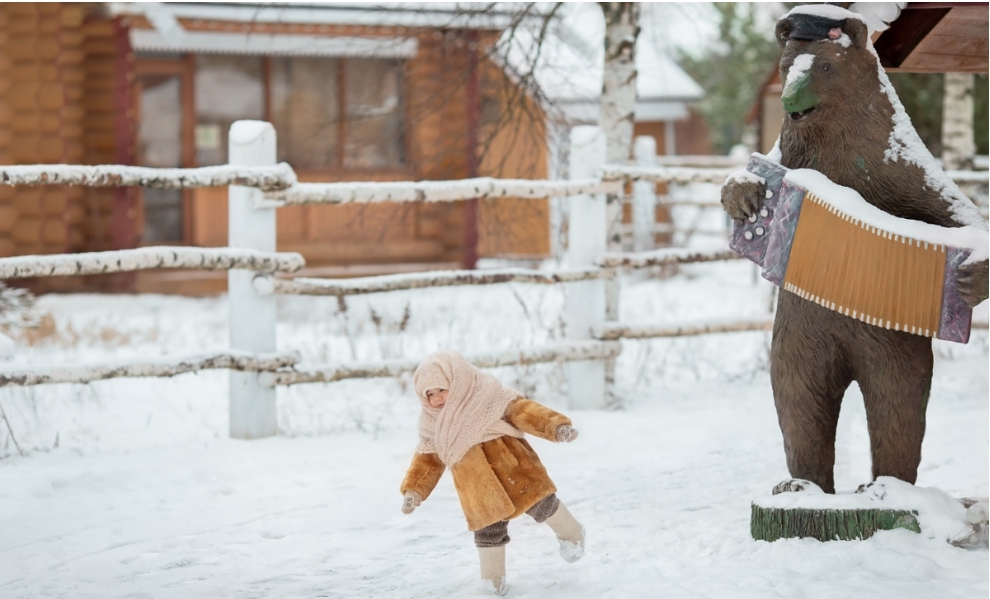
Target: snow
[(245, 131), (744, 176), (800, 66), (828, 11), (131, 487), (7, 346), (849, 202), (877, 15)]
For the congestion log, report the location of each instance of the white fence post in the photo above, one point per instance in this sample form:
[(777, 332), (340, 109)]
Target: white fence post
[(644, 195), (252, 315), (584, 305)]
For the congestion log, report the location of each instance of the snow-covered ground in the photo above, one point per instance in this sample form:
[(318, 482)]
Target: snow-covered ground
[(131, 488)]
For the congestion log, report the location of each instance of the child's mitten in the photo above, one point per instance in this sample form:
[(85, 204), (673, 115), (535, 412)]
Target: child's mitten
[(566, 433), (410, 501)]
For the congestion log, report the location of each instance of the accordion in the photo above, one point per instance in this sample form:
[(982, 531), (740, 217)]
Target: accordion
[(825, 243)]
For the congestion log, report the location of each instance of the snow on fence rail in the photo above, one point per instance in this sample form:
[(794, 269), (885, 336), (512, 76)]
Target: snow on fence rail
[(436, 278), (266, 178), (681, 175), (665, 257), (92, 263), (164, 367), (651, 331), (684, 175), (433, 191), (566, 352)]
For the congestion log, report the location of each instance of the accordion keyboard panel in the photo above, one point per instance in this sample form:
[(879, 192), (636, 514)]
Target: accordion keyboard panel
[(866, 273)]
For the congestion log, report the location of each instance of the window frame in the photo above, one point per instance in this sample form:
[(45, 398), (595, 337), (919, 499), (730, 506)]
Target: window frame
[(184, 68)]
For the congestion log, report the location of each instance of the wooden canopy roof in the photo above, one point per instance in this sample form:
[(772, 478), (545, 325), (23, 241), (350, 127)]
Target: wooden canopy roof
[(937, 37)]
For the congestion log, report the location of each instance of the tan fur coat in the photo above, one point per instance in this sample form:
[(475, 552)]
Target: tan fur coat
[(498, 479)]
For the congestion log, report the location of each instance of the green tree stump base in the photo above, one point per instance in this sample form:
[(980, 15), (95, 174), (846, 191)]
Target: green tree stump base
[(772, 523)]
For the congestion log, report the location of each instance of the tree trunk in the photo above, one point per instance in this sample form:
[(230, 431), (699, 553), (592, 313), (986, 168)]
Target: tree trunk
[(618, 102), (616, 115), (958, 145)]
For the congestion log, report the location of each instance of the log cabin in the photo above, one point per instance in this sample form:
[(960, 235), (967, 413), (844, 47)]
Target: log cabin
[(355, 92)]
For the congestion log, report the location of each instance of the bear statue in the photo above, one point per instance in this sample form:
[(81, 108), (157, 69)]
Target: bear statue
[(844, 120)]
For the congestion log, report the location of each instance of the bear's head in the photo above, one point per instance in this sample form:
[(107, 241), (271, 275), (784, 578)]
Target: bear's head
[(829, 75)]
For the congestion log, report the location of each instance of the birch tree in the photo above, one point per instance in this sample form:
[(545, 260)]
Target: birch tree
[(616, 117), (618, 101), (958, 144)]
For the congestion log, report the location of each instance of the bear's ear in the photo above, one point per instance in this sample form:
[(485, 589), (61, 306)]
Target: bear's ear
[(783, 32), (857, 32)]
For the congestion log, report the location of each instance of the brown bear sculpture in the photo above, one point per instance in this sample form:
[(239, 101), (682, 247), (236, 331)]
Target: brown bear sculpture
[(844, 120)]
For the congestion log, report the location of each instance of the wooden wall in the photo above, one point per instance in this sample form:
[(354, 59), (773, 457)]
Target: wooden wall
[(56, 84)]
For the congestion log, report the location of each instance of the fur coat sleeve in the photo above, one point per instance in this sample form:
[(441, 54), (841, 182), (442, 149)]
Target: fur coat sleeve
[(423, 475), (535, 419)]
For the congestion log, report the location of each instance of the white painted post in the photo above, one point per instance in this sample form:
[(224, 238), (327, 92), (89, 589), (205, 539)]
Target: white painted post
[(584, 304), (252, 315), (644, 195)]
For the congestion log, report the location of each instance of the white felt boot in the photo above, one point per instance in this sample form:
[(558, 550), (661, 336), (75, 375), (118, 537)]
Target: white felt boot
[(570, 533), (493, 569)]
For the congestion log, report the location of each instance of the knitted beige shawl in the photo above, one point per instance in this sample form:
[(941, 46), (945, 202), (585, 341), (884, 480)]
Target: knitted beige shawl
[(473, 412)]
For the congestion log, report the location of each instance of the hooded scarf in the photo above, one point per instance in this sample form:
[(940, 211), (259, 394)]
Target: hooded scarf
[(472, 414)]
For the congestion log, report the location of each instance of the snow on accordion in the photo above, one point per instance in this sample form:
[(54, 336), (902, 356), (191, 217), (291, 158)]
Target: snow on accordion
[(827, 244)]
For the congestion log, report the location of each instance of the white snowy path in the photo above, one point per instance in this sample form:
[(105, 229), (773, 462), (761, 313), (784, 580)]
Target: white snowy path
[(145, 497)]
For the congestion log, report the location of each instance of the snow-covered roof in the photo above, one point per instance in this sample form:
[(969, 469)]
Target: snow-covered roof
[(264, 44), (399, 14), (569, 62)]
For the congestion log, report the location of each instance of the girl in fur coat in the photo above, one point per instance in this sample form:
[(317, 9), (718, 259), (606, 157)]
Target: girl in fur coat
[(474, 425)]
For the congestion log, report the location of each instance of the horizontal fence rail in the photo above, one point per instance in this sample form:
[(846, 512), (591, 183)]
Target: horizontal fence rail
[(93, 263), (266, 178), (649, 331), (567, 352), (434, 191), (969, 176), (163, 367), (665, 257), (435, 278), (681, 175)]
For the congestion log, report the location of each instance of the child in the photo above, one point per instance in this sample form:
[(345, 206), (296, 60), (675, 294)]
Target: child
[(473, 424)]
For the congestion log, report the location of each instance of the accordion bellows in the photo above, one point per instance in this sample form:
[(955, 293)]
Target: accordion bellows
[(825, 243)]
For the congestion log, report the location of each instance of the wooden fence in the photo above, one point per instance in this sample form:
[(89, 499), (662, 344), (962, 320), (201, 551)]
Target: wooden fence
[(259, 186)]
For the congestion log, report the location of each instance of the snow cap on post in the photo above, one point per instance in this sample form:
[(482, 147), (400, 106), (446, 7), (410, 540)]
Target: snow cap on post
[(245, 133)]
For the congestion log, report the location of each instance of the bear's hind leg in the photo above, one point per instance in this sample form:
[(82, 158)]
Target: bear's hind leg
[(809, 375), (895, 389)]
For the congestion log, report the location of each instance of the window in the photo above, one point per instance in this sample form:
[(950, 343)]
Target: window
[(329, 114), (160, 145), (306, 111), (374, 128), (308, 97), (302, 98), (228, 88)]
